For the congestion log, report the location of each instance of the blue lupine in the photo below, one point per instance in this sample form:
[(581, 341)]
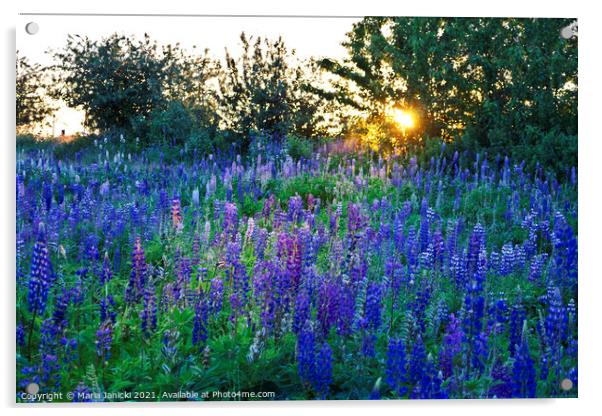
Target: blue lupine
[(523, 372), (306, 346), (417, 362), (396, 370), (517, 318), (373, 306), (323, 367), (302, 311), (41, 275), (200, 326)]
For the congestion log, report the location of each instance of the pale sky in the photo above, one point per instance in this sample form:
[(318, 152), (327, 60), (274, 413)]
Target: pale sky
[(308, 36)]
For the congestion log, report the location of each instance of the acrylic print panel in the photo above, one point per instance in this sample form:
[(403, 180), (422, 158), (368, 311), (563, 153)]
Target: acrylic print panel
[(295, 208)]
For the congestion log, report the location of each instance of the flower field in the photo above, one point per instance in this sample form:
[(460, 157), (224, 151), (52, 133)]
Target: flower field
[(338, 277)]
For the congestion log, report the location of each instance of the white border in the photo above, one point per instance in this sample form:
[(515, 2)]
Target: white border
[(590, 235)]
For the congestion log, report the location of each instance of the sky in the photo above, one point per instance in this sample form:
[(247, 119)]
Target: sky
[(308, 36)]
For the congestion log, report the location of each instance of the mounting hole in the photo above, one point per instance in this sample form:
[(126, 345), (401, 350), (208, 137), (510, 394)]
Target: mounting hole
[(32, 28), (566, 384), (32, 388)]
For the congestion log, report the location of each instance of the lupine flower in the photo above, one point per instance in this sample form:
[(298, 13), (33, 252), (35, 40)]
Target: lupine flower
[(302, 311), (82, 393), (199, 330), (216, 295), (517, 318), (452, 346), (417, 362), (523, 371), (106, 273), (138, 274), (104, 339), (323, 376), (20, 335), (195, 197), (396, 371), (373, 306), (430, 385), (230, 220), (149, 313), (306, 352), (501, 387), (176, 215), (107, 309), (41, 276)]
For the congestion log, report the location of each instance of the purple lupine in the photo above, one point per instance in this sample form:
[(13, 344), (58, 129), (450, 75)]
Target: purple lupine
[(216, 295), (295, 208), (451, 347), (138, 276), (148, 315), (501, 386), (230, 224), (423, 297), (424, 226), (480, 352), (183, 274), (41, 275), (82, 394)]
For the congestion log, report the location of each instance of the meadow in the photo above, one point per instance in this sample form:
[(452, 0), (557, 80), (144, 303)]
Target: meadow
[(340, 276)]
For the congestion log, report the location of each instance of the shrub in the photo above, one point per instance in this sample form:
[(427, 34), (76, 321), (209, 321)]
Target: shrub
[(299, 147)]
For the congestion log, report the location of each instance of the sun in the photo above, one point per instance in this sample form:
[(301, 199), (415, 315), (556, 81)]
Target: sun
[(404, 118)]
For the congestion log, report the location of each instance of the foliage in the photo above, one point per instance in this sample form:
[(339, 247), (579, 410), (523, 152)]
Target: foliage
[(120, 81), (262, 91), (298, 147), (493, 79), (343, 277), (31, 82)]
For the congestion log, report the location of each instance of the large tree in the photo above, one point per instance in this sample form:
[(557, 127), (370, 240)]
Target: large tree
[(265, 91), (492, 81)]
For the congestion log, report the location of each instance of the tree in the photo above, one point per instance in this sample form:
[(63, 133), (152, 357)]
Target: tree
[(32, 105), (490, 82), (114, 80), (262, 92)]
